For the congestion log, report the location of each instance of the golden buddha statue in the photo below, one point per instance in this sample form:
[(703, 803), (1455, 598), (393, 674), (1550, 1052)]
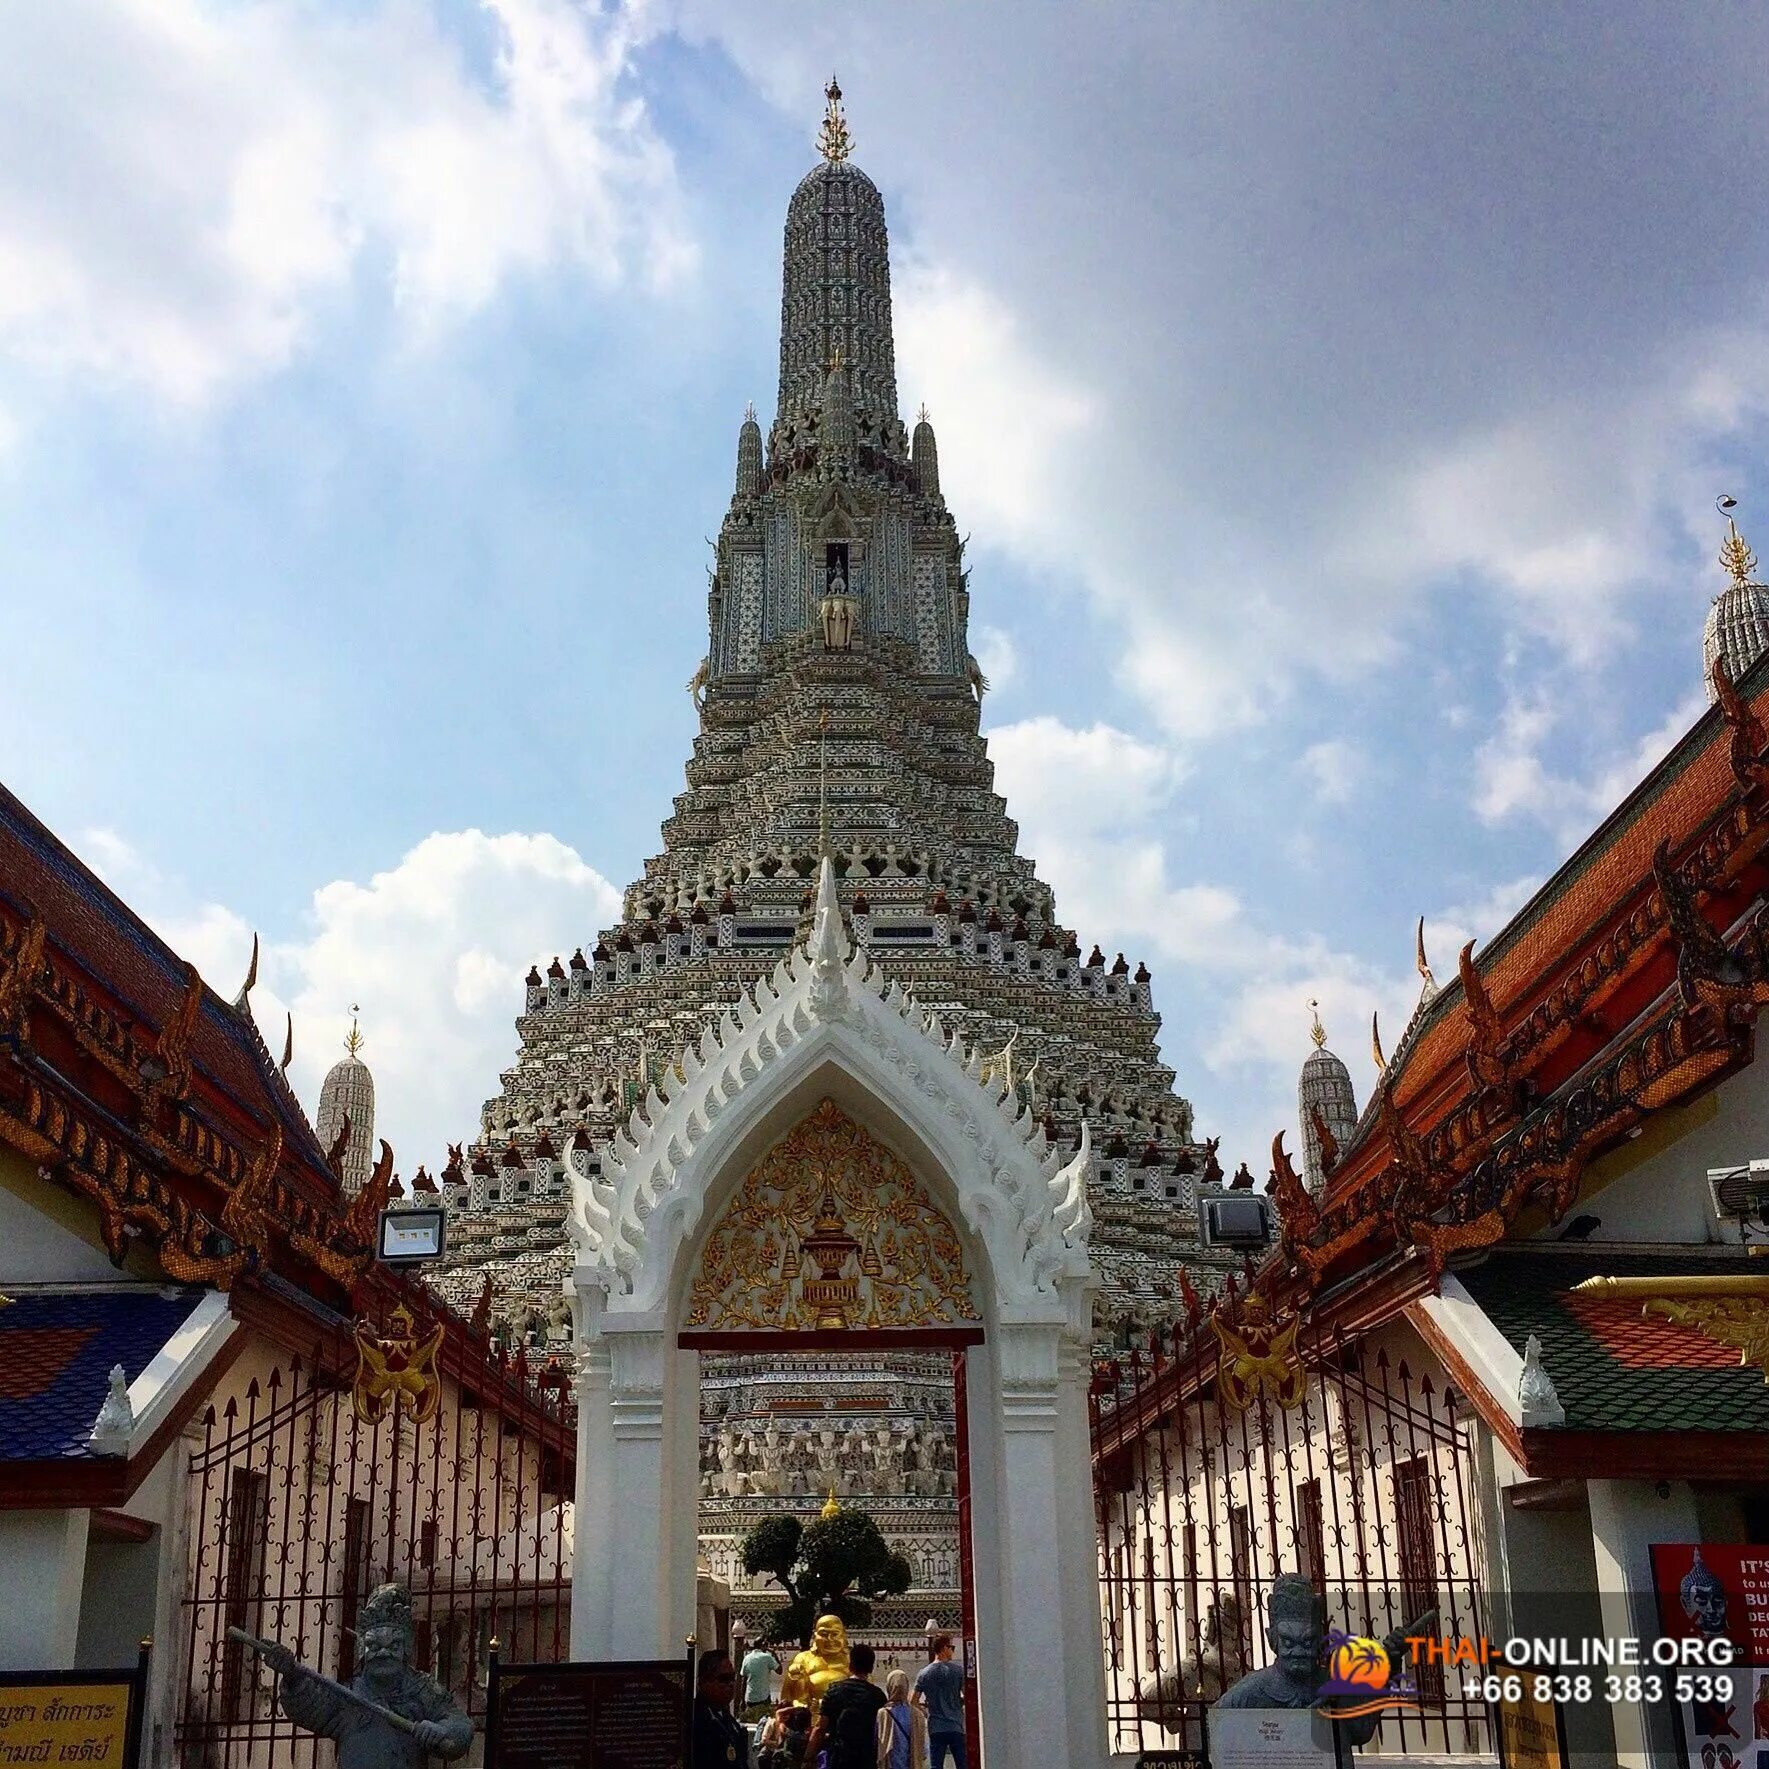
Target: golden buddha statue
[(811, 1673)]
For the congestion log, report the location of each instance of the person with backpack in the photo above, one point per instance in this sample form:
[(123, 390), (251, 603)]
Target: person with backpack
[(785, 1738), (846, 1729)]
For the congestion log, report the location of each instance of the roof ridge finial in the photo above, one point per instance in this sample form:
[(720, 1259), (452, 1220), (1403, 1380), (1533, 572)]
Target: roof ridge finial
[(1735, 556), (1317, 1031), (833, 140), (354, 1040)]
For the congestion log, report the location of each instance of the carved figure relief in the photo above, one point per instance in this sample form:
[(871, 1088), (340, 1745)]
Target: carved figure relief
[(913, 1459), (830, 1229)]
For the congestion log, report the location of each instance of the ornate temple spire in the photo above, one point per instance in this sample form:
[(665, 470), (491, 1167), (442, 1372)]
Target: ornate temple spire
[(836, 288), (924, 457), (347, 1111), (1325, 1104), (1737, 627), (749, 455)]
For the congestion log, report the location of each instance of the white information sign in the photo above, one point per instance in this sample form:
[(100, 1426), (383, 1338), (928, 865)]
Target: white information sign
[(1270, 1738)]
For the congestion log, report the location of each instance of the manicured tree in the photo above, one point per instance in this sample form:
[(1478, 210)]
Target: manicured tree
[(835, 1566)]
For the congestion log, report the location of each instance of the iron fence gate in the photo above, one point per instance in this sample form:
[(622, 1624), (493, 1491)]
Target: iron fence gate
[(298, 1506), (1364, 1485)]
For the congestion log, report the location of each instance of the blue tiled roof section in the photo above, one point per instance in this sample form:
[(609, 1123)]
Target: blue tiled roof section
[(57, 1350)]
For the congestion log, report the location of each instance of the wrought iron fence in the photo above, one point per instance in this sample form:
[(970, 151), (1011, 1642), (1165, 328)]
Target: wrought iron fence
[(1364, 1484), (298, 1506)]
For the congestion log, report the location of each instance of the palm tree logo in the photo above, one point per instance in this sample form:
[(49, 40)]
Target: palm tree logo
[(1359, 1663)]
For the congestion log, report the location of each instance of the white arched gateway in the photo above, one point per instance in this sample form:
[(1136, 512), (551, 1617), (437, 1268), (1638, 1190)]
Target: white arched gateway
[(827, 1040)]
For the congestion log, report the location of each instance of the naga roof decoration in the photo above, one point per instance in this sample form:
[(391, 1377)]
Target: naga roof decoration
[(138, 1088), (1630, 982)]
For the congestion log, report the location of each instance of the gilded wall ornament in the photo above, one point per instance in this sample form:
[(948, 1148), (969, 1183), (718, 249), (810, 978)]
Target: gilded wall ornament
[(396, 1370), (1258, 1356), (830, 1230)]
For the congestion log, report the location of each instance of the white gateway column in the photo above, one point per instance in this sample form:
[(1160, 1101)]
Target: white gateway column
[(631, 1595), (1050, 1641)]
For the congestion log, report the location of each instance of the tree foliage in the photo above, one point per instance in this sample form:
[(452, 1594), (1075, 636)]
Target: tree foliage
[(835, 1566)]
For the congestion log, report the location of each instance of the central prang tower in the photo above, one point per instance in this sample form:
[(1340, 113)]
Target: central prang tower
[(839, 713)]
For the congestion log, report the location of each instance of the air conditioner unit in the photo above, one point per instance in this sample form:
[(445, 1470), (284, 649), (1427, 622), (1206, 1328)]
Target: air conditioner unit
[(1741, 1193), (1235, 1219)]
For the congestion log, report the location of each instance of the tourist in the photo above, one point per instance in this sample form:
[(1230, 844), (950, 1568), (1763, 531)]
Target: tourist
[(719, 1741), (940, 1689), (757, 1672), (846, 1729), (784, 1739), (902, 1728)]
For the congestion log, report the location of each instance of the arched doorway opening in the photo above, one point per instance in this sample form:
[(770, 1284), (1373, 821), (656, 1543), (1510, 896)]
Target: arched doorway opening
[(832, 1309)]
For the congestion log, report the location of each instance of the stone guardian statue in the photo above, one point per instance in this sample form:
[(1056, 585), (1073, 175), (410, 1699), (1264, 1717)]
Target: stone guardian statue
[(388, 1716), (1296, 1630)]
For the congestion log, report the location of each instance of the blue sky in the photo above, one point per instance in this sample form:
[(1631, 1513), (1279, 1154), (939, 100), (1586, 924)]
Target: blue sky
[(1335, 398)]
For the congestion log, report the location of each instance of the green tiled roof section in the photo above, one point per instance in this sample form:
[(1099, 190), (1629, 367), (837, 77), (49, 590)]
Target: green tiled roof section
[(1528, 1293)]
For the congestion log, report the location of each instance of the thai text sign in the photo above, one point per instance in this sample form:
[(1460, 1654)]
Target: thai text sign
[(1530, 1732), (87, 1718), (624, 1715)]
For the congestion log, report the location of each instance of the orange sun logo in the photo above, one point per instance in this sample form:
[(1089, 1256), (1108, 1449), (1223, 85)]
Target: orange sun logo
[(1361, 1663)]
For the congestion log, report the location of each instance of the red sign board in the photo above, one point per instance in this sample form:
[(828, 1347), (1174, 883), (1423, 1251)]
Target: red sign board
[(1715, 1589)]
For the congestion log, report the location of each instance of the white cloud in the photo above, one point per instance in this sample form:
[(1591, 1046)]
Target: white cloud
[(1062, 781), (1336, 767), (1561, 507), (1451, 928), (1096, 806), (433, 950), (1512, 779), (1007, 418), (183, 185)]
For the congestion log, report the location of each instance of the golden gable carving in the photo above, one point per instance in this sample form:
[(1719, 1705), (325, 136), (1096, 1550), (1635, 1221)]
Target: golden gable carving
[(830, 1229)]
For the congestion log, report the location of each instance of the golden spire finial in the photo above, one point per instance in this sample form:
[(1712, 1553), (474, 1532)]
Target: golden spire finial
[(833, 140), (830, 1507), (1317, 1031), (921, 416), (354, 1041), (1736, 558)]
